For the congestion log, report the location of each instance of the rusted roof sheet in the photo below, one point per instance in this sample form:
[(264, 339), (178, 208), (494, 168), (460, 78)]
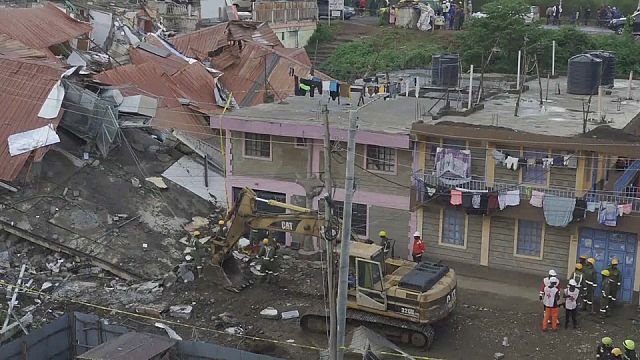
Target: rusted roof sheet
[(24, 86), (169, 65), (145, 79), (41, 27), (245, 78), (183, 119), (15, 49), (132, 345), (195, 83), (199, 43)]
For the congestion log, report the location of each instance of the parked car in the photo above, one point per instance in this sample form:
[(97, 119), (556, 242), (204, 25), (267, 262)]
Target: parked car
[(617, 25), (349, 12), (323, 11)]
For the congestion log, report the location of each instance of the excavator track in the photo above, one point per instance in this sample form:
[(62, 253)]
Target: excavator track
[(399, 331)]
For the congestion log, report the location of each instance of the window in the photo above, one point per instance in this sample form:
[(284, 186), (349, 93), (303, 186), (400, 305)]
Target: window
[(529, 238), (448, 144), (534, 174), (380, 158), (257, 145), (358, 215), (453, 227), (301, 143), (369, 275)]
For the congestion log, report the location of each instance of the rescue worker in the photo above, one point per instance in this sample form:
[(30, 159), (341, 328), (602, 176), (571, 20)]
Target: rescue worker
[(221, 229), (545, 283), (606, 297), (616, 353), (550, 300), (616, 279), (589, 284), (603, 351), (268, 255), (629, 350), (583, 260), (578, 276), (418, 247), (571, 303), (387, 244)]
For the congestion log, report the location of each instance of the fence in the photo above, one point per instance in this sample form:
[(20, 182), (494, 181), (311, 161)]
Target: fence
[(422, 181), (285, 11)]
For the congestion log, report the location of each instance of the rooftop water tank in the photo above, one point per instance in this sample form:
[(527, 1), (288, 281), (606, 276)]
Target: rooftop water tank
[(583, 75), (608, 65), (445, 70)]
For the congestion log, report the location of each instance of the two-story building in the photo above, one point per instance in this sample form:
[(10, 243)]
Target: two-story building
[(533, 192), (275, 148)]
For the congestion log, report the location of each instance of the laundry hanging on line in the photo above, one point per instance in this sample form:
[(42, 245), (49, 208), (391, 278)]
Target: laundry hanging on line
[(509, 198), (558, 211), (536, 198), (608, 214)]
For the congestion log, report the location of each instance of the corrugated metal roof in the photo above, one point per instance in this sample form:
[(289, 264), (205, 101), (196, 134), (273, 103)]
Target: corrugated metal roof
[(195, 83), (24, 86), (199, 43), (15, 49), (130, 346), (40, 27)]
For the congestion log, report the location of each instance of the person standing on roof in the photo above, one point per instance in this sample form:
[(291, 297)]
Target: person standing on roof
[(606, 297), (550, 300), (629, 350), (603, 351), (387, 244), (571, 303), (616, 279), (588, 284), (417, 249)]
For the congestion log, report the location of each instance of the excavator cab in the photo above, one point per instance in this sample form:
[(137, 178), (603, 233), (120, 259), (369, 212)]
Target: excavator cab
[(368, 289)]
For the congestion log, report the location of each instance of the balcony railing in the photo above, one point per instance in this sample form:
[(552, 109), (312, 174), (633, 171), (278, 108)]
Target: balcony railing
[(423, 181), (281, 12)]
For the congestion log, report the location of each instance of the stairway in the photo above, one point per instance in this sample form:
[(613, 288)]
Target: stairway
[(349, 31)]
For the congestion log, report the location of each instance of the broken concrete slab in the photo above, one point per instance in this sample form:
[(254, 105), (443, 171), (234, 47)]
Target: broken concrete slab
[(149, 286), (158, 182), (270, 313), (4, 259), (196, 223), (169, 279), (181, 311), (152, 309), (293, 314), (498, 356)]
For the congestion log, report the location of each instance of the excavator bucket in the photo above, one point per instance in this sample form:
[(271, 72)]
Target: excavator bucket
[(234, 275)]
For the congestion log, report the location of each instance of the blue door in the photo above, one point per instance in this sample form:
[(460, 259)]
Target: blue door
[(604, 245)]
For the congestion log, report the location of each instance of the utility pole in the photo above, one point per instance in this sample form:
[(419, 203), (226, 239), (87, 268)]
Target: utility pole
[(331, 284), (346, 235)]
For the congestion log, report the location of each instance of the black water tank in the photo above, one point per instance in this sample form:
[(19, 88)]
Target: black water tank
[(608, 65), (445, 70), (583, 75)]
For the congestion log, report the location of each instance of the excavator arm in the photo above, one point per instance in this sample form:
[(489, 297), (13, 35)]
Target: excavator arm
[(244, 215)]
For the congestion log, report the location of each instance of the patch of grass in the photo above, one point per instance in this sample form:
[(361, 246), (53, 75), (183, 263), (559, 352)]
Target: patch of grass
[(387, 50), (324, 33)]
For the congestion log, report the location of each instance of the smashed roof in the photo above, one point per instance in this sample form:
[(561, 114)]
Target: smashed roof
[(13, 48), (24, 86), (41, 27), (199, 43)]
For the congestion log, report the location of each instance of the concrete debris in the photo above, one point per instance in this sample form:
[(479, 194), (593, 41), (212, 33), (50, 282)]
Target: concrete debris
[(505, 342), (4, 259), (188, 250), (188, 257), (76, 193), (46, 285), (158, 182), (169, 279), (172, 334), (74, 288), (236, 330), (185, 273), (204, 240), (181, 311), (152, 309), (90, 270), (293, 314), (291, 341), (13, 328), (227, 318), (184, 241), (270, 313), (164, 157), (498, 356), (55, 266), (149, 286), (196, 223), (135, 182)]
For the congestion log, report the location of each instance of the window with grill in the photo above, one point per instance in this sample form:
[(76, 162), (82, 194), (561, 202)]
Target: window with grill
[(358, 215), (529, 241), (380, 158), (453, 227), (257, 145), (536, 173)]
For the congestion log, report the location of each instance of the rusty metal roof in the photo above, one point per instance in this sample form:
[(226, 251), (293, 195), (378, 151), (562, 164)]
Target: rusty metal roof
[(24, 86), (130, 346), (199, 43), (195, 83), (15, 49), (41, 27)]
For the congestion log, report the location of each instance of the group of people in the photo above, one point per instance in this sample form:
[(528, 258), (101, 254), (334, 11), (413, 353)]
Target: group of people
[(580, 291), (553, 14), (453, 14)]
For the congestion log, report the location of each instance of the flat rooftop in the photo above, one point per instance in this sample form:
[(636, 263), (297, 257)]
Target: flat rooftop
[(560, 115), (393, 116)]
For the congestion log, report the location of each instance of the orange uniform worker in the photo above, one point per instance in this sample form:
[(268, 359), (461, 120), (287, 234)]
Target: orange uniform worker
[(418, 247), (551, 299)]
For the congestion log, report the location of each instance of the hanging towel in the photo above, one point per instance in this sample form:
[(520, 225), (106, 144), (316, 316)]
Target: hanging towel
[(456, 197), (592, 206), (531, 162), (558, 211), (333, 85), (492, 203), (620, 213), (608, 214), (475, 201), (536, 198), (580, 212), (345, 90), (626, 208), (325, 86), (466, 200), (509, 198), (511, 163)]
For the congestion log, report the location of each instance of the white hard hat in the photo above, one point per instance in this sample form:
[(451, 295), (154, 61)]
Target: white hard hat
[(416, 234), (573, 282), (552, 272), (553, 280)]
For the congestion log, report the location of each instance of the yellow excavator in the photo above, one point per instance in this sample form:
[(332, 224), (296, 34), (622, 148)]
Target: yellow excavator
[(396, 297)]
